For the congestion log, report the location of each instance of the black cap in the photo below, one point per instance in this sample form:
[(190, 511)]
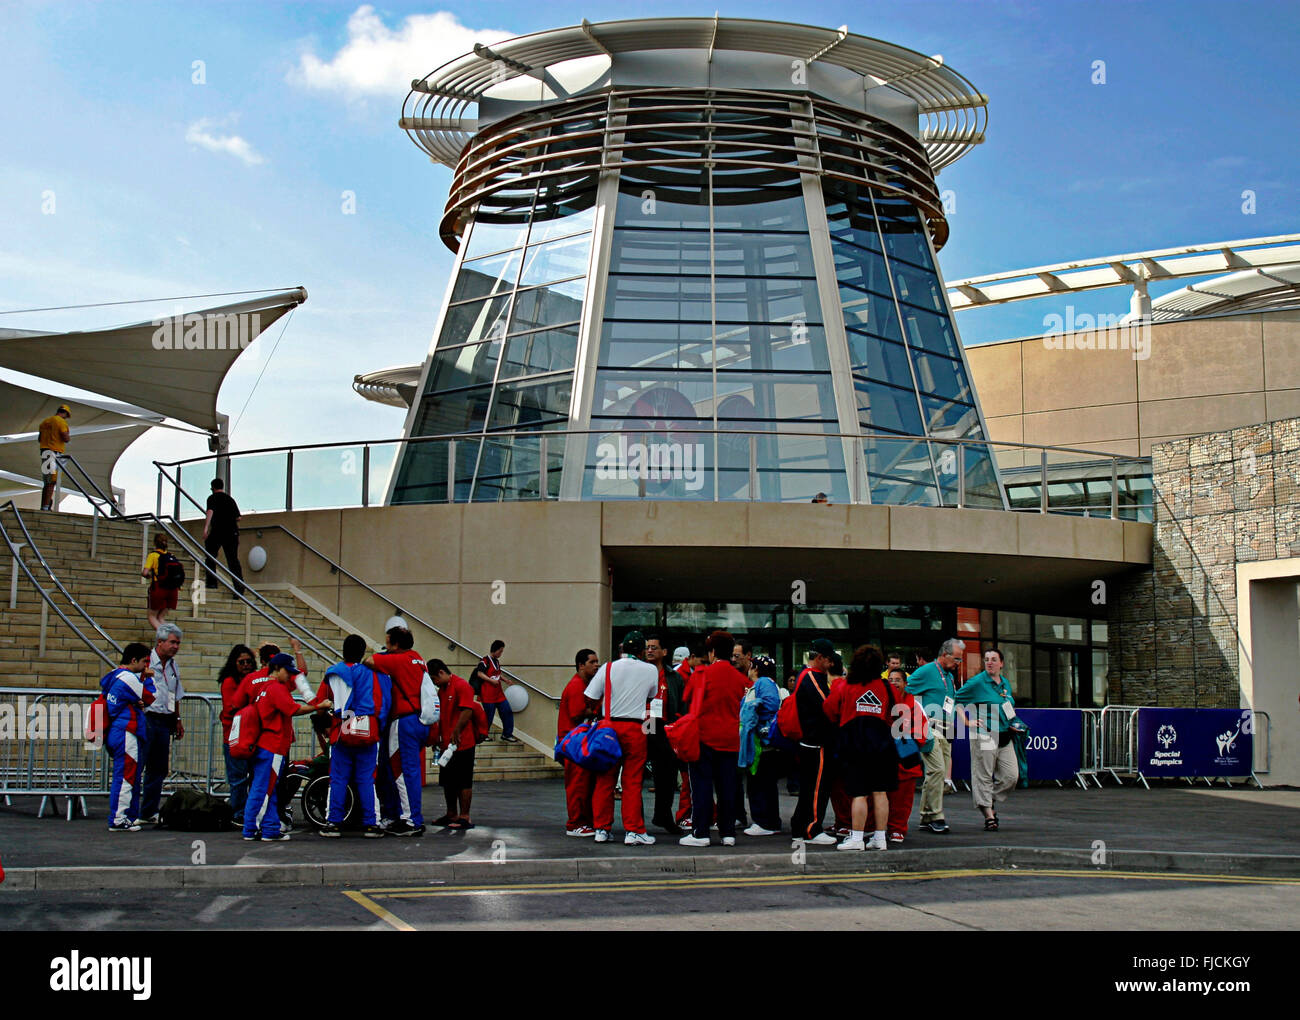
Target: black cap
[(822, 646)]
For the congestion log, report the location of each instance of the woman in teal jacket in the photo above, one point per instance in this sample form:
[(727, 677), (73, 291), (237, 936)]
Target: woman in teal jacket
[(990, 708)]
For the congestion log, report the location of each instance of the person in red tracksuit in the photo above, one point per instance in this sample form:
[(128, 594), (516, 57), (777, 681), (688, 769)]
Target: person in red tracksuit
[(633, 683), (579, 783), (719, 688), (911, 722)]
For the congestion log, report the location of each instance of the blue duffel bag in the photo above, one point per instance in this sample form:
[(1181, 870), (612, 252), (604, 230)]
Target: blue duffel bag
[(592, 745)]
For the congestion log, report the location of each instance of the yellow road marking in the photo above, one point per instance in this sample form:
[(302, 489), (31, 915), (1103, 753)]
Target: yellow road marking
[(668, 884), (377, 910)]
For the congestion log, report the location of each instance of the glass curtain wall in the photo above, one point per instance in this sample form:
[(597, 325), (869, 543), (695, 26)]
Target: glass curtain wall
[(505, 355), (712, 318), (908, 375)]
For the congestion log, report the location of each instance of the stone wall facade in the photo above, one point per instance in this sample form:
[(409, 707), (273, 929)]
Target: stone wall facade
[(1219, 499)]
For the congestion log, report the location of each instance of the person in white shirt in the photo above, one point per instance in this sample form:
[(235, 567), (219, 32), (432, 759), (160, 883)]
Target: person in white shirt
[(633, 685), (162, 718)]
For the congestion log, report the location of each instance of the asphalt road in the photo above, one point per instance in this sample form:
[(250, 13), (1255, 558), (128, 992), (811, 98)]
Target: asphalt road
[(956, 900)]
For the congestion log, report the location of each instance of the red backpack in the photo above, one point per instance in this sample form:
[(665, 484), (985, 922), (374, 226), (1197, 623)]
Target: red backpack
[(245, 728), (787, 716), (95, 721), (479, 722)]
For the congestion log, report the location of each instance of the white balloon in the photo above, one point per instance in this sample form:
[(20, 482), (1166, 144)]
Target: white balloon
[(517, 695), (256, 558), (395, 621)]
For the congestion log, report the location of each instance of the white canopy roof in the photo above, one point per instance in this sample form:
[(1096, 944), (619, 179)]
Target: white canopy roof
[(172, 365)]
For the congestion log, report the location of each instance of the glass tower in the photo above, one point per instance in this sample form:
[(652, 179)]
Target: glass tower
[(692, 279)]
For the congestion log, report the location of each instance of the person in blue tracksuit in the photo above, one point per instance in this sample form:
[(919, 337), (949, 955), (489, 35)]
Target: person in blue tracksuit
[(127, 690), (354, 691)]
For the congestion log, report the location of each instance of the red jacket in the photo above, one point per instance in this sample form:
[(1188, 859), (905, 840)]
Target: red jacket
[(724, 688), (573, 706)]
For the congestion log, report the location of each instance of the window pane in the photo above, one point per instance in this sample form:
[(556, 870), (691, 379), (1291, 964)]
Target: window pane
[(942, 376), (863, 269), (887, 407), (484, 277), (551, 350), (948, 418), (745, 397), (872, 313), (462, 411), (903, 231), (879, 360), (660, 251), (556, 260), (792, 347), (463, 366), (1017, 667), (930, 332), (1062, 630), (775, 206), (685, 299), (497, 231), (646, 399), (900, 472), (563, 207), (1012, 626), (762, 255), (547, 306), (766, 300), (662, 198), (661, 344), (529, 402), (477, 320), (509, 469), (919, 288)]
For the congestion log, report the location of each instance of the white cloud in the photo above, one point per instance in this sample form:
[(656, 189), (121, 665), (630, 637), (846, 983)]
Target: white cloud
[(201, 133), (377, 60)]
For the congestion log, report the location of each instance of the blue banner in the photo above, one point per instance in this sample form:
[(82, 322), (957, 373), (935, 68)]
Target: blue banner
[(1053, 749), (1195, 742)]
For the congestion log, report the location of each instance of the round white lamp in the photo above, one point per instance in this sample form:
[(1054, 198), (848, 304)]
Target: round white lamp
[(256, 558), (395, 621), (517, 695)]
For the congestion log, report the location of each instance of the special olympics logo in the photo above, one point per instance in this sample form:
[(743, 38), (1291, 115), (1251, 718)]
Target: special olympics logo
[(1166, 735)]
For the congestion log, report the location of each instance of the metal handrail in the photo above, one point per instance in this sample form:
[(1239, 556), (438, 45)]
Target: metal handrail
[(66, 460), (45, 595), (31, 544), (398, 610), (926, 450), (685, 429), (186, 541)]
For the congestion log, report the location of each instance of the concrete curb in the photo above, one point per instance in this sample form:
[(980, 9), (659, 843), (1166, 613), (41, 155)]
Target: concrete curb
[(622, 868)]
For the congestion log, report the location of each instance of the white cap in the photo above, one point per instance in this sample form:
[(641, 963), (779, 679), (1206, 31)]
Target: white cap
[(680, 654)]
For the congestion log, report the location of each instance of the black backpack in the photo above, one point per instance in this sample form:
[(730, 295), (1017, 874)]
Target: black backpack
[(170, 573), (195, 811)]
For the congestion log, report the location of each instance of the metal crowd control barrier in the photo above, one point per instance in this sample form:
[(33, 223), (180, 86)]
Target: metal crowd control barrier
[(47, 756), (1091, 763), (1118, 752)]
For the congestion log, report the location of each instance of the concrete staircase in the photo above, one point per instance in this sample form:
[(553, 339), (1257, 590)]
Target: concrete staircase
[(110, 589)]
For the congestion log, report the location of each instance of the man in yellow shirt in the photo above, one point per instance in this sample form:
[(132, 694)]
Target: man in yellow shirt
[(54, 436)]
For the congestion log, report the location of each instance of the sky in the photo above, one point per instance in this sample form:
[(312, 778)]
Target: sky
[(154, 150)]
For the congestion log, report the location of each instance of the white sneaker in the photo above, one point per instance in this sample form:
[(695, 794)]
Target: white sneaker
[(638, 839), (728, 840), (693, 840), (852, 844), (582, 830), (875, 843), (758, 830), (821, 839), (602, 835)]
